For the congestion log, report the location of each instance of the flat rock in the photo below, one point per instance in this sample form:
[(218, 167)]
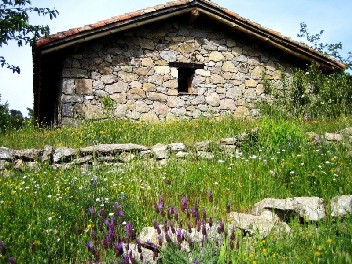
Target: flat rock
[(47, 153), (333, 137), (310, 208), (261, 225), (177, 146), (229, 141), (64, 154), (160, 151), (182, 154), (203, 145), (112, 149), (27, 154), (205, 155), (6, 154), (341, 205)]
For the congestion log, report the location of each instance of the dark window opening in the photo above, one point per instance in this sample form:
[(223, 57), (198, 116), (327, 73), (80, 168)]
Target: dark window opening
[(186, 73)]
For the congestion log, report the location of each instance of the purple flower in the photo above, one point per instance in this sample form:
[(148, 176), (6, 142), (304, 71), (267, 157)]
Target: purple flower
[(228, 208), (139, 246), (172, 225), (204, 230), (196, 261), (170, 211), (190, 242), (179, 236), (204, 215), (210, 196), (12, 260), (129, 231), (157, 227), (117, 208), (119, 249), (90, 247), (92, 212), (126, 259), (184, 204), (103, 213), (3, 248), (94, 234), (160, 240), (199, 225), (210, 221), (167, 237), (166, 227), (195, 213), (176, 214), (132, 258), (221, 227), (156, 208), (189, 227)]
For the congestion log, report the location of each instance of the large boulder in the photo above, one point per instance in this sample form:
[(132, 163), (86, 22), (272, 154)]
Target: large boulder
[(341, 205), (309, 208), (261, 225)]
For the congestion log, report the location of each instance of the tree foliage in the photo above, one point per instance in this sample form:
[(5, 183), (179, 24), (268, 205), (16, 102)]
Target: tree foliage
[(332, 49), (15, 25)]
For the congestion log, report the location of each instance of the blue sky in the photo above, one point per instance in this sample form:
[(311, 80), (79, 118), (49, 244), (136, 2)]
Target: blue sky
[(284, 16)]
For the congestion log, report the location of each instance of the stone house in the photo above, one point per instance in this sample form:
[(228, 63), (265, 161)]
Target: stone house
[(180, 60)]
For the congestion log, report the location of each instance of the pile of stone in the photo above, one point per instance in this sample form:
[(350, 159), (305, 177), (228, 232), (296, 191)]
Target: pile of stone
[(64, 157), (269, 216)]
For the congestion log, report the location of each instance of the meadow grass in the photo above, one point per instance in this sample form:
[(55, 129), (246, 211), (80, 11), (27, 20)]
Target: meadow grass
[(45, 213)]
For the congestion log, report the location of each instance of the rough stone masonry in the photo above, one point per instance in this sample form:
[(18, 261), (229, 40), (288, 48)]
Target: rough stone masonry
[(132, 72)]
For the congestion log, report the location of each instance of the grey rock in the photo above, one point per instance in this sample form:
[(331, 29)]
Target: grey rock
[(176, 146), (47, 153), (229, 141), (310, 208), (112, 149), (333, 137), (202, 145), (64, 154), (347, 131), (27, 154), (126, 157), (314, 137), (160, 151), (182, 154), (261, 225), (4, 165), (83, 160), (6, 154), (341, 205), (205, 155)]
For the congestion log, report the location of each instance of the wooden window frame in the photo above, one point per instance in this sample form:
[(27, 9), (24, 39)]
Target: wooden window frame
[(186, 73)]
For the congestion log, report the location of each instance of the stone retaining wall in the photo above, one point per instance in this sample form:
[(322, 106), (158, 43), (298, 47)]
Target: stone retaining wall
[(132, 73)]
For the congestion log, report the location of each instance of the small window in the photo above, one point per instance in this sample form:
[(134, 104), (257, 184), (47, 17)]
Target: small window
[(186, 73)]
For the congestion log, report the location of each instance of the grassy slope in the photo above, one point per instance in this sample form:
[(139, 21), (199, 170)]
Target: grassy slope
[(51, 206)]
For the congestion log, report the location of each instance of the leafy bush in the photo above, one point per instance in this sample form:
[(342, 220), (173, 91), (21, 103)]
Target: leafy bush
[(9, 119), (309, 94)]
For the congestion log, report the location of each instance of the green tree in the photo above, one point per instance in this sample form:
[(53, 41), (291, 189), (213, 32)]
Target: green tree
[(15, 26), (331, 49)]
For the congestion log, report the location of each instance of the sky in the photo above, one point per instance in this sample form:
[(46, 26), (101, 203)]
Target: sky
[(284, 16)]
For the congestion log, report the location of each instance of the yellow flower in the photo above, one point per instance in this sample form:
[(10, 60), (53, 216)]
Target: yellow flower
[(264, 250), (329, 240), (36, 242), (317, 254), (89, 226), (320, 247), (254, 262), (251, 255)]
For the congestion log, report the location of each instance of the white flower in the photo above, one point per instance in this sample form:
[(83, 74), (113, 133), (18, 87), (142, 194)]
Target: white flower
[(97, 200), (253, 157), (111, 214), (292, 172), (216, 183), (50, 218), (49, 196), (221, 161)]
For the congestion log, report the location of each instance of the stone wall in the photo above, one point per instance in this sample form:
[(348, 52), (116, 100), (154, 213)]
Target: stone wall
[(131, 72)]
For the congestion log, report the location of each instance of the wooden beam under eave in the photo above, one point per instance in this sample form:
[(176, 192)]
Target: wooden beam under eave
[(194, 15)]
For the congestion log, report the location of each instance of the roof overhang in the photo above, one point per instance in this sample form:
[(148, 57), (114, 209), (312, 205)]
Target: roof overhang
[(172, 9)]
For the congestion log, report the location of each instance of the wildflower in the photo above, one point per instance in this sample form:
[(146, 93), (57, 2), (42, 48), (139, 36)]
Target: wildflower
[(103, 213), (210, 195), (167, 237), (210, 221), (196, 261), (12, 260), (317, 254), (204, 215), (179, 236), (130, 231), (221, 227), (329, 240), (228, 208), (90, 247), (221, 161), (204, 230), (172, 225), (184, 204), (118, 249), (156, 227), (3, 248), (94, 180), (50, 218), (189, 227), (160, 240), (49, 196)]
